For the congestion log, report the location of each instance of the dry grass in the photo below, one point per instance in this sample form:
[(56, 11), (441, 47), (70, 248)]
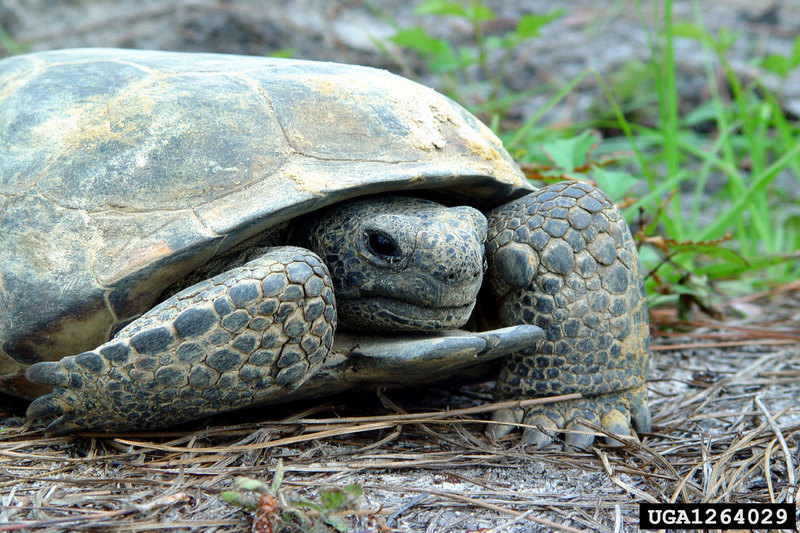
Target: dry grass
[(726, 424)]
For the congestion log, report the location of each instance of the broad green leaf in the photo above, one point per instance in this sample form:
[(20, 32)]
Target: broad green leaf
[(246, 483), (333, 500), (416, 38), (569, 154), (445, 62), (776, 64), (529, 25), (614, 183), (236, 498), (440, 7), (691, 31)]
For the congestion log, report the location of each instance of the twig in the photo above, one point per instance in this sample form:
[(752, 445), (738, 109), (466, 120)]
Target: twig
[(517, 520), (491, 506), (100, 515), (610, 471), (777, 430)]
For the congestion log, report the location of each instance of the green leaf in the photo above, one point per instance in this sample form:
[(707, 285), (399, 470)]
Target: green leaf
[(337, 523), (441, 7), (691, 31), (569, 154), (782, 65), (480, 13), (467, 56), (726, 39), (283, 53), (333, 500), (417, 39), (723, 42), (494, 42), (445, 62), (734, 268), (529, 25), (795, 58), (510, 40), (236, 498), (232, 497), (246, 483), (702, 113), (308, 504), (277, 479), (776, 64), (354, 489), (614, 183)]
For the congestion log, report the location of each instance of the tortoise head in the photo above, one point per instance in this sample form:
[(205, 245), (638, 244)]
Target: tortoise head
[(400, 263)]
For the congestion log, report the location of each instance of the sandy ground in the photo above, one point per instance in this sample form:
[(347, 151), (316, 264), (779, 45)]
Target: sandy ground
[(726, 426)]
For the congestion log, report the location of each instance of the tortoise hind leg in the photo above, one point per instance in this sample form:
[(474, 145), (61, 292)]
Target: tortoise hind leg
[(563, 258), (238, 339)]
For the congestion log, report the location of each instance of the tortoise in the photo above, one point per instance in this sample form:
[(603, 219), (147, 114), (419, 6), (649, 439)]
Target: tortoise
[(183, 232)]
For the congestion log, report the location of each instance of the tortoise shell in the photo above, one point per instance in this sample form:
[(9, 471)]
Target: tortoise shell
[(121, 171)]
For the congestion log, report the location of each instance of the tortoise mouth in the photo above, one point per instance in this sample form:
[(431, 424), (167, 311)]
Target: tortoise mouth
[(395, 314)]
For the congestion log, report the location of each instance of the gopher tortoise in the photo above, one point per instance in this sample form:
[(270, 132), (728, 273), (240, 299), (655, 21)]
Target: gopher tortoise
[(181, 234)]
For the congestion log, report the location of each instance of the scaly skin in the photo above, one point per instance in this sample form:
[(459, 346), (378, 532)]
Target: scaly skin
[(233, 340), (563, 259)]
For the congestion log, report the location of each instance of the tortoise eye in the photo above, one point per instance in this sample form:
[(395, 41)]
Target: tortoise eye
[(382, 245)]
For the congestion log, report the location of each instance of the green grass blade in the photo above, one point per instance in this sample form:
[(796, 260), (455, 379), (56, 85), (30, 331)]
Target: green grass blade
[(741, 203)]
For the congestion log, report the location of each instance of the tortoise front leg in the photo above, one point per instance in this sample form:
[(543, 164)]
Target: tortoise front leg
[(247, 335), (563, 258)]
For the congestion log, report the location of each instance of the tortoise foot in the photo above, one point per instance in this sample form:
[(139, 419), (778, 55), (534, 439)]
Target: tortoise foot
[(617, 413), (241, 338), (563, 259)]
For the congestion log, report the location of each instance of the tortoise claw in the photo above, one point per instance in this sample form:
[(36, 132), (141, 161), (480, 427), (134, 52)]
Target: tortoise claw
[(44, 408), (536, 437), (60, 427), (579, 436), (51, 373), (640, 415), (616, 423), (505, 420), (617, 413)]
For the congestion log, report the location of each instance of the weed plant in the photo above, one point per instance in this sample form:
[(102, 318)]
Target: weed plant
[(699, 185)]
